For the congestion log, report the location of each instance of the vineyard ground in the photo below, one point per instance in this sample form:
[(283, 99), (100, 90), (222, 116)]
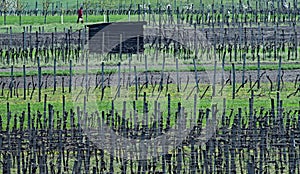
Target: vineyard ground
[(52, 22), (262, 97), (205, 77), (93, 68), (258, 132)]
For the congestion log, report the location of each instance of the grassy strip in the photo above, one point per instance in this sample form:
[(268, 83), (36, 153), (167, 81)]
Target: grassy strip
[(261, 99), (115, 4), (156, 69), (58, 72), (53, 22)]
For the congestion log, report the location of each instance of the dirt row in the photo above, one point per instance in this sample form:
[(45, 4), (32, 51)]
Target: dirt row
[(239, 35), (34, 39), (204, 77)]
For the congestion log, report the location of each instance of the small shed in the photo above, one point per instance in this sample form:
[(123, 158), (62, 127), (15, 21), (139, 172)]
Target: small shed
[(116, 37)]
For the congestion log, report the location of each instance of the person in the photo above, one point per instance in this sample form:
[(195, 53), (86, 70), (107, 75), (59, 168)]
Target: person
[(80, 14)]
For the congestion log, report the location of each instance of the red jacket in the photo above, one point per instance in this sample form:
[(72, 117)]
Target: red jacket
[(80, 13)]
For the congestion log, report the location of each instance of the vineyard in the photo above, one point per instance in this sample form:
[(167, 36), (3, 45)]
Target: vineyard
[(215, 89)]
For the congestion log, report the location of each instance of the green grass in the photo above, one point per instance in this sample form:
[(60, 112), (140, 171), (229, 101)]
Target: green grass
[(155, 69), (69, 20), (58, 72), (53, 22), (106, 4), (262, 99), (125, 4)]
